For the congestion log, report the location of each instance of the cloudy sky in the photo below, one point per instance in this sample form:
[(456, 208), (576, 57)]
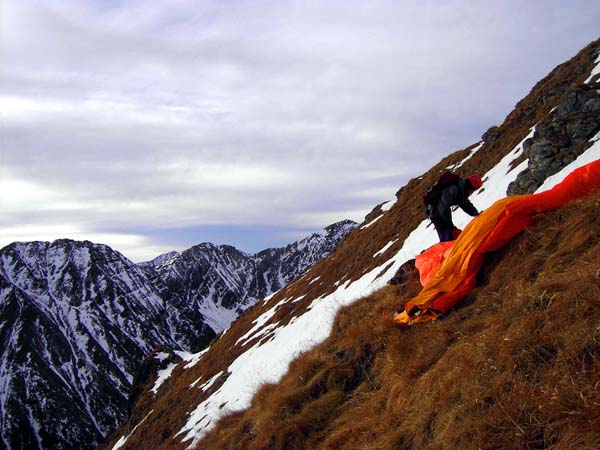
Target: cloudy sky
[(156, 125)]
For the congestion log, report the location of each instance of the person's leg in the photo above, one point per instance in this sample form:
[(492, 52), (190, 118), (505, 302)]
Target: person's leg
[(444, 233)]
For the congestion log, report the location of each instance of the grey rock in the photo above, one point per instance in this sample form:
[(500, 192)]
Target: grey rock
[(561, 139), (491, 135)]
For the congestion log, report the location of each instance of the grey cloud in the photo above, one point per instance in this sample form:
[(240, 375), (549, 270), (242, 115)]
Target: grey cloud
[(342, 100)]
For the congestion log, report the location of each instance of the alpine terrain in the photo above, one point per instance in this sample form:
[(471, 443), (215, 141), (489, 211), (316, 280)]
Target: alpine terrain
[(321, 365), (78, 319)]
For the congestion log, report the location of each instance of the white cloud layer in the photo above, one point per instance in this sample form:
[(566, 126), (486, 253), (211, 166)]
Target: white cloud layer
[(144, 116)]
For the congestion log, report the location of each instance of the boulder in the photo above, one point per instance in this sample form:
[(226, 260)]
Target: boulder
[(561, 138)]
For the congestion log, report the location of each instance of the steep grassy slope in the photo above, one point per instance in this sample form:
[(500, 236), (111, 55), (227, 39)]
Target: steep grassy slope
[(517, 365), (484, 377)]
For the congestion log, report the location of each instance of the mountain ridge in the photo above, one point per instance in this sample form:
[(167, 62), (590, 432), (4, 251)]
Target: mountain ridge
[(353, 278), (237, 279)]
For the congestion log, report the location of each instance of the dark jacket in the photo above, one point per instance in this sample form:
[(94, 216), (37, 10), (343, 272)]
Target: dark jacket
[(453, 195)]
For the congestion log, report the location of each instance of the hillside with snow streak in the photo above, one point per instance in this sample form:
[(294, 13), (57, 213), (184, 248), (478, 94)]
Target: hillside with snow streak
[(552, 131)]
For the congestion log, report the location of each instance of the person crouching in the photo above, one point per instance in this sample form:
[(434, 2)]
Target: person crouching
[(455, 194)]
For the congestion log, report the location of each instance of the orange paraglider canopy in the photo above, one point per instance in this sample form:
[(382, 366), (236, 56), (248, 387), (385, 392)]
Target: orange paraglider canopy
[(428, 262), (448, 270)]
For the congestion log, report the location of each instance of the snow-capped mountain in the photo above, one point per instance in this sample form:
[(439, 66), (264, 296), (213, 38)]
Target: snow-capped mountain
[(531, 151), (282, 265), (160, 259), (220, 281), (78, 319)]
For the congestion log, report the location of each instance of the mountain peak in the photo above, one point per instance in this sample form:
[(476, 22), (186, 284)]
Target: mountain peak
[(342, 226), (159, 260)]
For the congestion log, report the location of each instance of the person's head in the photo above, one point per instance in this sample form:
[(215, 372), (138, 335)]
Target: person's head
[(474, 182)]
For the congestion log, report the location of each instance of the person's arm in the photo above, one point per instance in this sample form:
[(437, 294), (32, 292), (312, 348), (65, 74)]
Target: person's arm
[(468, 207)]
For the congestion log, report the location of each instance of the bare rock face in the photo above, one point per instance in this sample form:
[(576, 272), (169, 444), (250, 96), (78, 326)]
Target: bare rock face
[(560, 140), (491, 135)]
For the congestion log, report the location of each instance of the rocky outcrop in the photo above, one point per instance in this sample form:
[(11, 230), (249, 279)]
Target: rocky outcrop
[(561, 138), (491, 135)]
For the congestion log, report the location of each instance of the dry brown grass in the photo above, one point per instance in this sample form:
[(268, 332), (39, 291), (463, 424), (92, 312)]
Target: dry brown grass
[(515, 366)]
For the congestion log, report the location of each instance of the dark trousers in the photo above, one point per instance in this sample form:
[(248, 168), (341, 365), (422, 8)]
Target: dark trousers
[(445, 233)]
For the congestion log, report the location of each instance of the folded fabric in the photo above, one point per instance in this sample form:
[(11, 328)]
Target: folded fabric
[(450, 268)]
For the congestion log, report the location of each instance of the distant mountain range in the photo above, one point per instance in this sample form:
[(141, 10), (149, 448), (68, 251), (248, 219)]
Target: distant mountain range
[(219, 281), (77, 320)]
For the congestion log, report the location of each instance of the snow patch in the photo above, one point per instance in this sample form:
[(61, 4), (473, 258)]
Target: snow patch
[(384, 249), (161, 356), (388, 205), (163, 375), (206, 386), (217, 317), (259, 323), (469, 156), (297, 299), (269, 297), (121, 442), (495, 182), (191, 358), (595, 70), (371, 222)]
